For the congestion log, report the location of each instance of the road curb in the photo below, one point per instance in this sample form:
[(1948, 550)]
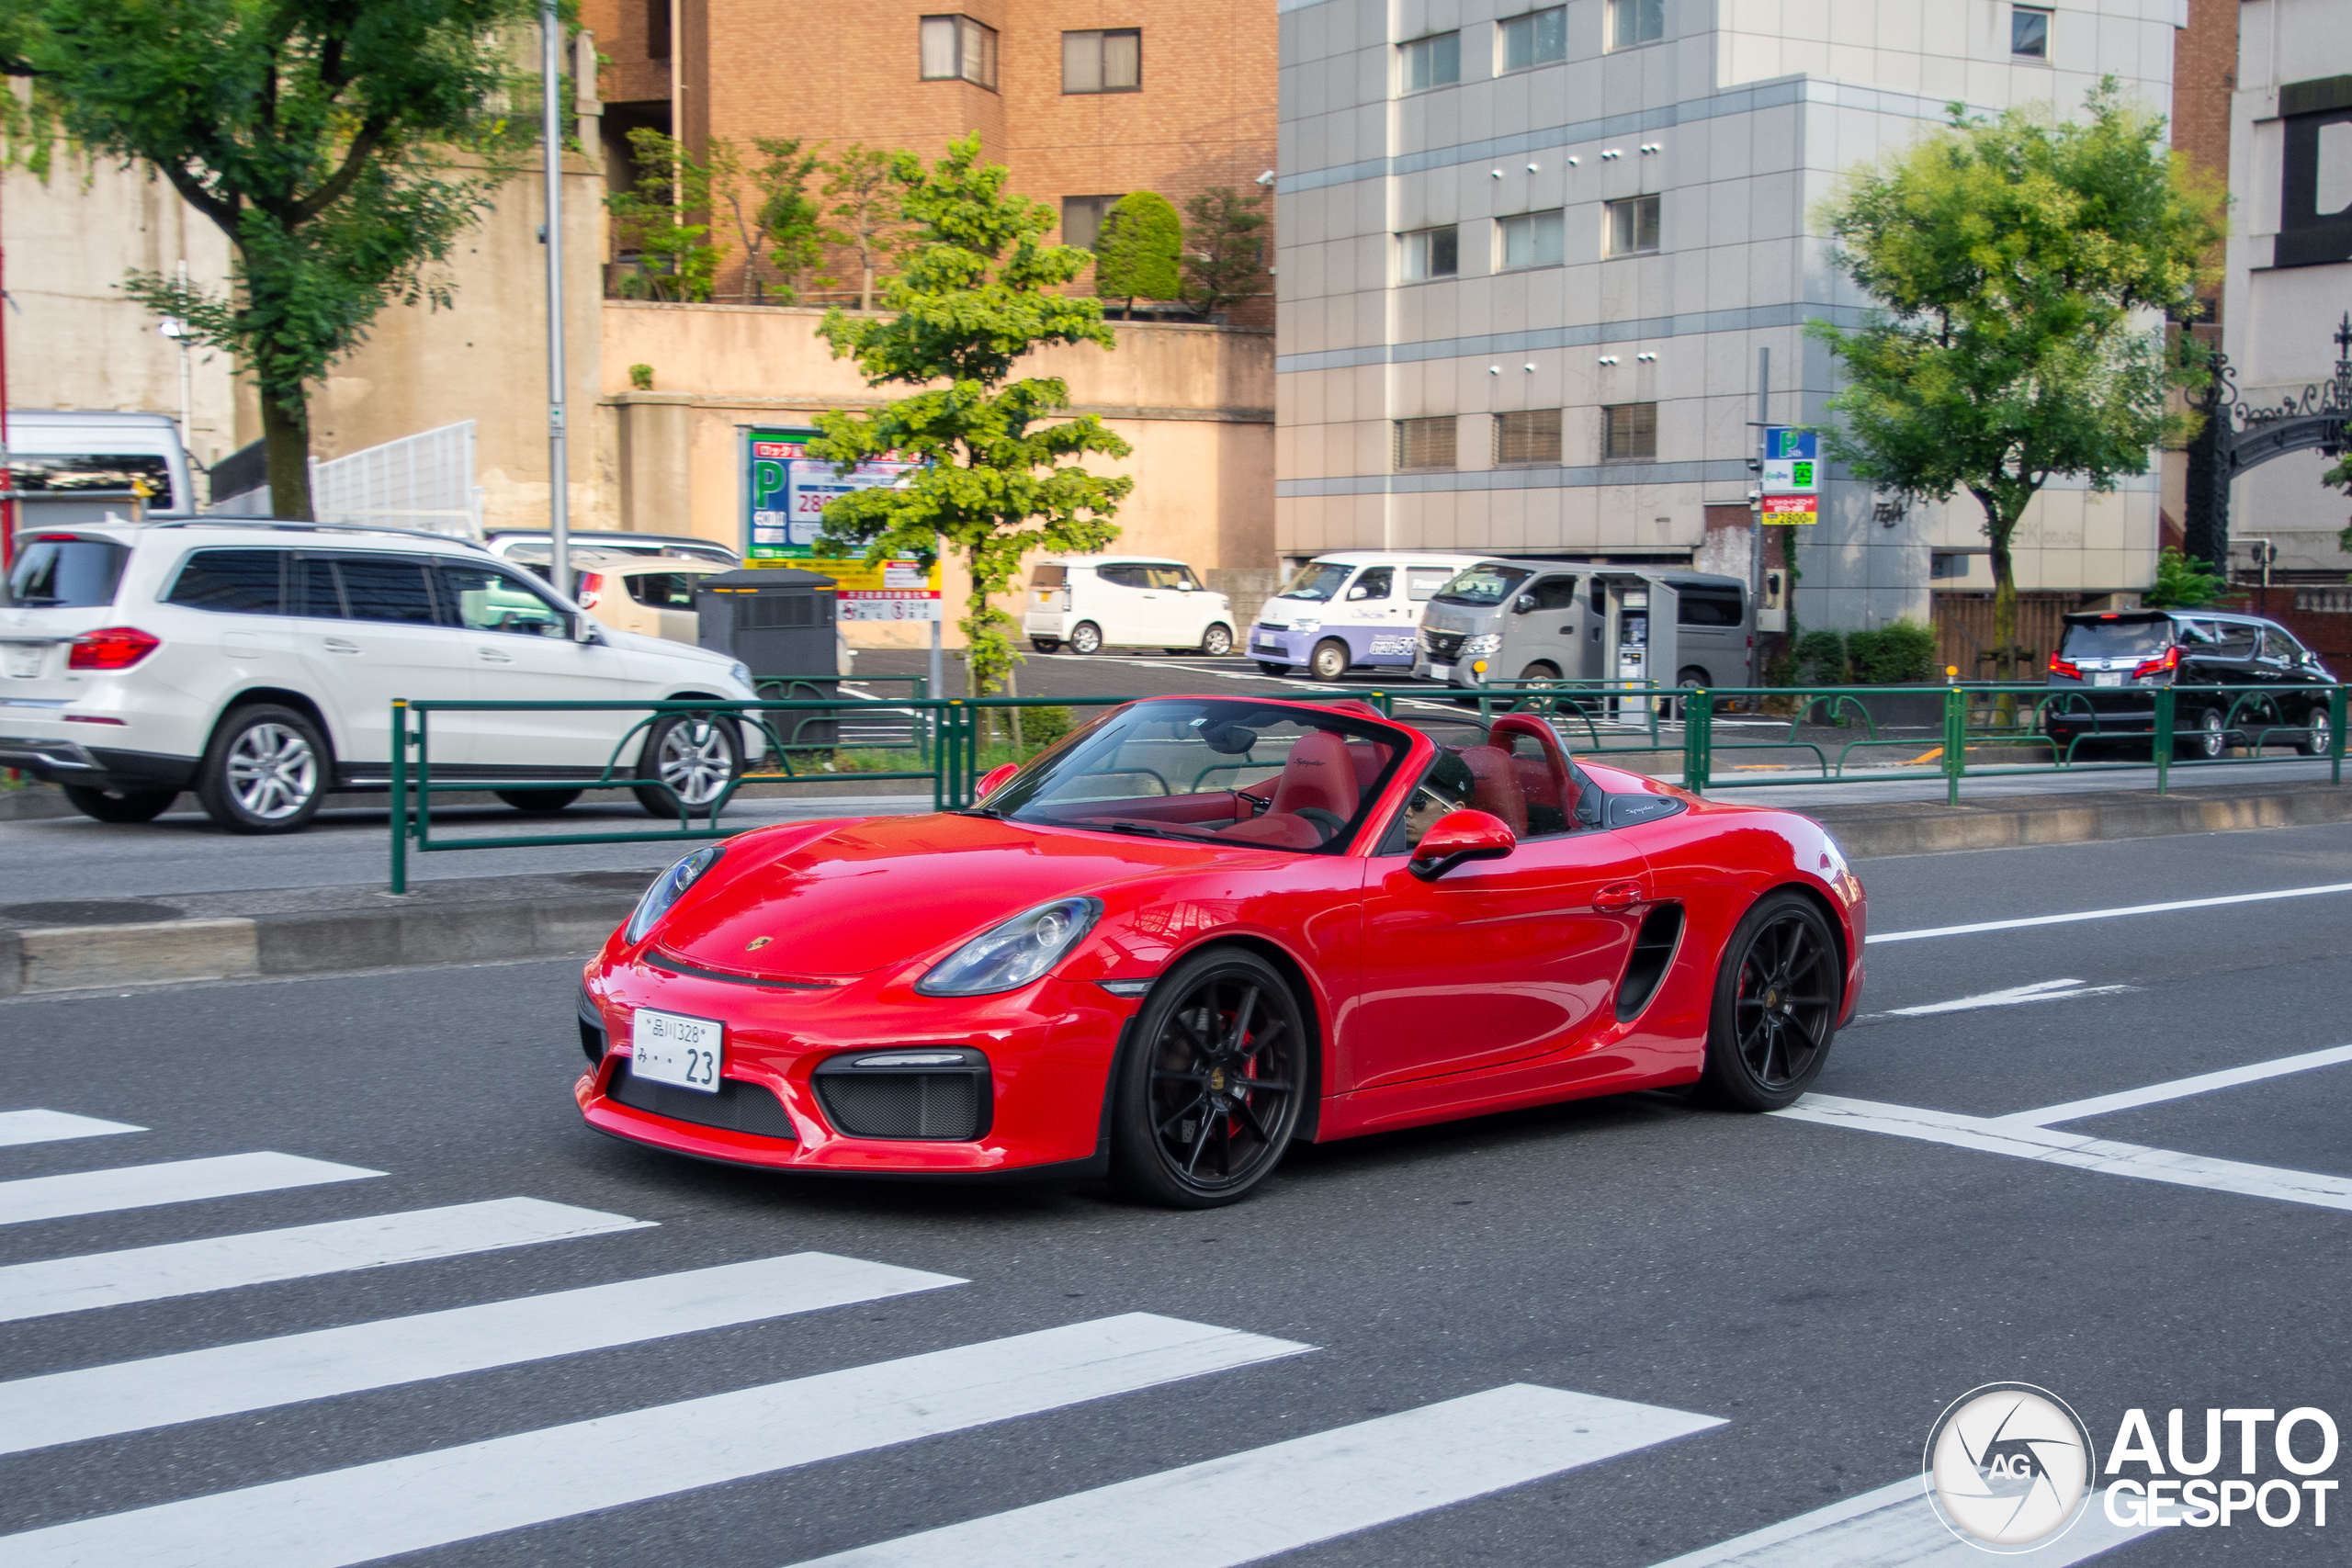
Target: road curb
[(1873, 830)]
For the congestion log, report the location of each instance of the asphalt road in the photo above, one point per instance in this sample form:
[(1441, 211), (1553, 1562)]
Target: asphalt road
[(1819, 1292)]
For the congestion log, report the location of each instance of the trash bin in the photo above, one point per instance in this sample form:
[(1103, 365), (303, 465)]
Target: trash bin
[(779, 621)]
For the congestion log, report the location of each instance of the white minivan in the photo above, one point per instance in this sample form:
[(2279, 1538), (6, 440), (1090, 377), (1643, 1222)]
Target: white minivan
[(1090, 603), (1350, 608), (256, 664)]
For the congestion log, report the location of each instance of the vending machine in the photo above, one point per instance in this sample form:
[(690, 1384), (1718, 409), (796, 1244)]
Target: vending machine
[(1638, 639)]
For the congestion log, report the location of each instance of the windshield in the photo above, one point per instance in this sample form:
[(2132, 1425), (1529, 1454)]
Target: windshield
[(65, 573), (2114, 640), (1317, 581), (1484, 585), (1211, 771), (112, 475)]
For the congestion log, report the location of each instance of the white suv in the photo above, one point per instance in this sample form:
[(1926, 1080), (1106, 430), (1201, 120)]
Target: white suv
[(256, 664)]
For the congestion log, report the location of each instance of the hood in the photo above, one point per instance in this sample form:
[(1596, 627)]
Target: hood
[(888, 890)]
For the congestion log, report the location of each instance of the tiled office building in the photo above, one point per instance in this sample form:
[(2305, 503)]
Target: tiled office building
[(1530, 261)]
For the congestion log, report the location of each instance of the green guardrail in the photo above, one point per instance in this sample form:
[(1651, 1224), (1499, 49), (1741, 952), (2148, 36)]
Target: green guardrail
[(1995, 716)]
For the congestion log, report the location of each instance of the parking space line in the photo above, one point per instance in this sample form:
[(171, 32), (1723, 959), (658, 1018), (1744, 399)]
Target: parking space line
[(2101, 1155), (2178, 1088), (1287, 1495), (2110, 914), (20, 1127), (175, 1181), (1894, 1527)]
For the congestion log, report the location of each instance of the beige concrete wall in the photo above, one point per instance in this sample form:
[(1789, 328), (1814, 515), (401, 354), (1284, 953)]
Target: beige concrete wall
[(1194, 402), (75, 342)]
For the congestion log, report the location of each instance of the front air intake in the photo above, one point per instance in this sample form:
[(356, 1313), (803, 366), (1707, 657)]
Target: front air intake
[(938, 1094), (738, 1107)]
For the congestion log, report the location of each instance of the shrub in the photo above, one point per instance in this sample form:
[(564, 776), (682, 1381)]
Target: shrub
[(1893, 654), (1139, 251), (1820, 660)]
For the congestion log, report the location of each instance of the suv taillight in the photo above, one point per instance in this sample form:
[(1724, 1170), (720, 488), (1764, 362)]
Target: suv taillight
[(2168, 660), (592, 585), (2059, 667), (111, 647)]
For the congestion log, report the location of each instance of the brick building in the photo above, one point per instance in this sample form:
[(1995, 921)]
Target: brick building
[(1081, 100)]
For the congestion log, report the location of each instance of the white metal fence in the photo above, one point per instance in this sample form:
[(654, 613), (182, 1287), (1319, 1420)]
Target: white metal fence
[(425, 481)]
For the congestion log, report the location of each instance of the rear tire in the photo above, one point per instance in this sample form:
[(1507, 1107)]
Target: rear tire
[(1086, 637), (1269, 667), (122, 805), (539, 802), (266, 771), (2318, 734), (697, 756), (1331, 660), (1045, 644), (2208, 737), (1542, 670), (1217, 641), (1778, 992)]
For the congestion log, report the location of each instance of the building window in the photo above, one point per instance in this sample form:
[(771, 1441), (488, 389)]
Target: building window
[(1532, 437), (1082, 218), (1633, 225), (958, 49), (657, 30), (1635, 22), (1533, 239), (1432, 253), (1537, 39), (2029, 33), (1425, 442), (1108, 62), (1432, 62), (1629, 430)]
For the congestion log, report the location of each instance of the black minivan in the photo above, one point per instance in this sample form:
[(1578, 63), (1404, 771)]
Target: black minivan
[(2117, 660)]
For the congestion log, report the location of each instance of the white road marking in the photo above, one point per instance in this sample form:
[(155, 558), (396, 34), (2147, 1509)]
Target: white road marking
[(297, 1252), (163, 1391), (2178, 1088), (1250, 1506), (2110, 914), (175, 1181), (2039, 991), (2100, 1154), (20, 1127), (369, 1511), (1894, 1527)]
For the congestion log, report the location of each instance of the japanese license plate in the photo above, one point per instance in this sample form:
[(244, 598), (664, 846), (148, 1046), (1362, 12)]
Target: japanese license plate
[(673, 1049), (2108, 678), (23, 659), (1439, 672)]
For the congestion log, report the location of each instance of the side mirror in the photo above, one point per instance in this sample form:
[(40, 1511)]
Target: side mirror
[(995, 779), (1523, 604), (1460, 836), (583, 627)]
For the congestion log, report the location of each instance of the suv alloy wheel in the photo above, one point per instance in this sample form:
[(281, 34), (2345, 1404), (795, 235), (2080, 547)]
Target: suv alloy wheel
[(266, 771)]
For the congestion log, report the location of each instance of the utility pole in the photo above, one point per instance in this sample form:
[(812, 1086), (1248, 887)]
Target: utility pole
[(551, 149), (7, 473)]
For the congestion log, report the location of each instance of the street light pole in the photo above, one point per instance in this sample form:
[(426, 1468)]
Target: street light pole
[(551, 149)]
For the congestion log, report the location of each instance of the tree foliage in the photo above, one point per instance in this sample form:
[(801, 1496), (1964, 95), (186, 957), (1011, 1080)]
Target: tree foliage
[(864, 186), (1138, 254), (2183, 584), (318, 135), (776, 223), (2017, 265), (679, 261), (1224, 254), (978, 290)]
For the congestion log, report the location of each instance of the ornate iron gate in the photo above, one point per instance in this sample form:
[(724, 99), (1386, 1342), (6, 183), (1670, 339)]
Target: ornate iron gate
[(2238, 437)]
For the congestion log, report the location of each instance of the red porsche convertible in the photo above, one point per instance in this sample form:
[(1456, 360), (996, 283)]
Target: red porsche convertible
[(1200, 929)]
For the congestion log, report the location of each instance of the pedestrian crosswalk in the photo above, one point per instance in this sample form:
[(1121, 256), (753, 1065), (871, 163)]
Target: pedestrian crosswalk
[(1270, 1499)]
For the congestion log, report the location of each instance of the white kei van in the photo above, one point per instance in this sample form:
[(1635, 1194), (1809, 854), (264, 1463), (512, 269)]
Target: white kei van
[(1090, 603), (1350, 608), (70, 466)]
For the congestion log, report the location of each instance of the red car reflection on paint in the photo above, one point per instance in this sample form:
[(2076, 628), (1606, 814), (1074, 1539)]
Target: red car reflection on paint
[(1200, 929)]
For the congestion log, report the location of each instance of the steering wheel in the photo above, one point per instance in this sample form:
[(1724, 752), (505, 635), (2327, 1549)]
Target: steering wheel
[(1328, 823)]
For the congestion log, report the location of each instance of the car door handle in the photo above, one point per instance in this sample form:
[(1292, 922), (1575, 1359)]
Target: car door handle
[(1614, 898), (493, 656), (337, 645)]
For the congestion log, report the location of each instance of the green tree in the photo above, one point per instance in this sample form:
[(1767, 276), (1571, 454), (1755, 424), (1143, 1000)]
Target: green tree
[(2183, 584), (2340, 477), (2015, 263), (775, 222), (864, 186), (1225, 249), (341, 145), (978, 290), (672, 185), (1138, 253)]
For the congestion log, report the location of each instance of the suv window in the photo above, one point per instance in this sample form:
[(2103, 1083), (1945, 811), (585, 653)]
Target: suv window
[(311, 589), (386, 588), (245, 582), (1173, 577), (492, 599), (664, 589), (2114, 640), (62, 572), (1708, 607), (1556, 594), (2237, 639), (1122, 576), (2278, 643)]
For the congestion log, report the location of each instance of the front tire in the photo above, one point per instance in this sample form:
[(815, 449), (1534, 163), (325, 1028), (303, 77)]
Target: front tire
[(1045, 644), (1086, 637), (698, 757), (265, 771), (539, 802), (1331, 660), (1217, 641), (1211, 1088), (125, 806), (1777, 997)]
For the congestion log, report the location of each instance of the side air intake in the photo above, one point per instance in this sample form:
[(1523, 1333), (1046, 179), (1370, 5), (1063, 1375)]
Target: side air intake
[(1654, 947)]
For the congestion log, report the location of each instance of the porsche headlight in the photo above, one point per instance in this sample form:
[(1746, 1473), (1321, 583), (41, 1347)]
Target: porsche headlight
[(1013, 954), (667, 889), (1484, 642)]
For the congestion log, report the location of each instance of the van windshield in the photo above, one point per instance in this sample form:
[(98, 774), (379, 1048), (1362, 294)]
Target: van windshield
[(1317, 580), (1484, 585), (2114, 640), (111, 475)]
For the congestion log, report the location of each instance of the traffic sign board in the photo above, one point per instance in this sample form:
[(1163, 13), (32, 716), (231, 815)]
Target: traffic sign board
[(1792, 509)]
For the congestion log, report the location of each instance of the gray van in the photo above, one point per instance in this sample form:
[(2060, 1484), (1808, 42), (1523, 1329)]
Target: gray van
[(1534, 621)]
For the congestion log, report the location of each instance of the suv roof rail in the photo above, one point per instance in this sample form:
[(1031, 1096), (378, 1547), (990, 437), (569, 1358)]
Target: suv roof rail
[(295, 525)]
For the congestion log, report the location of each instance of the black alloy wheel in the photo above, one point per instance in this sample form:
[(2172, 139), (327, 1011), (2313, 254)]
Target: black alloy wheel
[(120, 805), (1086, 637), (1217, 641), (1777, 995), (539, 802), (1212, 1084), (1331, 660)]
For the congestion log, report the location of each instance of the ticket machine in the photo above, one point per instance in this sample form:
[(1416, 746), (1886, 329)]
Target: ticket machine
[(1637, 631)]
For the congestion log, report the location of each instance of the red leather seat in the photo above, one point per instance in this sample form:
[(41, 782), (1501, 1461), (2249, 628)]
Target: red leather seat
[(1540, 760), (1319, 774), (1495, 786)]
